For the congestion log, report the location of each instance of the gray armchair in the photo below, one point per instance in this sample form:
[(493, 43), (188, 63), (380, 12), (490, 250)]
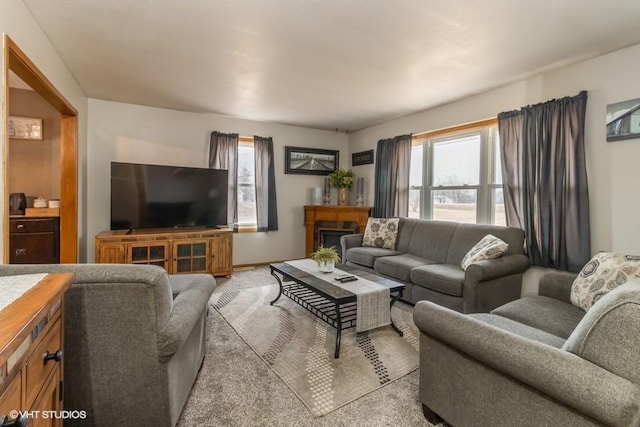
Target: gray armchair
[(133, 347), (533, 362)]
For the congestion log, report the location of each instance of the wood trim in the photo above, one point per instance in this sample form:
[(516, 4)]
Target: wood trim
[(69, 189), (24, 68), (5, 151), (418, 137), (18, 62)]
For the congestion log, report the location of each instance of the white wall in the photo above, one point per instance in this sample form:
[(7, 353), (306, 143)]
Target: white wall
[(611, 167), (133, 133), (17, 23)]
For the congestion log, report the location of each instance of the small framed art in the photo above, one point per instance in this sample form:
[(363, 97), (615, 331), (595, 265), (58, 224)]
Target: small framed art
[(25, 128)]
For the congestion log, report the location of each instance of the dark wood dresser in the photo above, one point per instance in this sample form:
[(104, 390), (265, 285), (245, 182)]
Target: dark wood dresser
[(34, 240)]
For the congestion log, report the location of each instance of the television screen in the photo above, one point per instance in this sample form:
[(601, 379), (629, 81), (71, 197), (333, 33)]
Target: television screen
[(154, 196)]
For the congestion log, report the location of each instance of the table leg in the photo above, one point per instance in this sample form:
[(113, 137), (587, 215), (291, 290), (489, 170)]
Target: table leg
[(280, 286), (338, 331), (393, 300)]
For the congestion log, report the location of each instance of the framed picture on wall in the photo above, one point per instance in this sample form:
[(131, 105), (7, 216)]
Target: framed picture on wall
[(25, 128), (362, 158), (310, 161), (623, 120)]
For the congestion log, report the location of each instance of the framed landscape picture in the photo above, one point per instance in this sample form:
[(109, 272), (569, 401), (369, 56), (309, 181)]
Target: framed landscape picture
[(310, 161)]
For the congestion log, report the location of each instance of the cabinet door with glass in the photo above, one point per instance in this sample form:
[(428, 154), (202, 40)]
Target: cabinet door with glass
[(191, 256), (149, 252)]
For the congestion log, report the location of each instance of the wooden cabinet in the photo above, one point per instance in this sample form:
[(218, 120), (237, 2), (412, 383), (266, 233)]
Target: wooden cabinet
[(177, 251), (31, 343), (34, 240)]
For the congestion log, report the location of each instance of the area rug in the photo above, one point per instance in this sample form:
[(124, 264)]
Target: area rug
[(299, 347)]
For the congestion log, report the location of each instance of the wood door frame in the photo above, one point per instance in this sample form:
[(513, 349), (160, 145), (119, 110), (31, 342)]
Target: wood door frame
[(18, 62)]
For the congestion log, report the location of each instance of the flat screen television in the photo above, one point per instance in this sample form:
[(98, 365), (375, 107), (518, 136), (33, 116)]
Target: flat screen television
[(155, 196)]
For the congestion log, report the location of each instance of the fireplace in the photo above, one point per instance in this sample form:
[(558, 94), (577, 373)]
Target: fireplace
[(326, 224)]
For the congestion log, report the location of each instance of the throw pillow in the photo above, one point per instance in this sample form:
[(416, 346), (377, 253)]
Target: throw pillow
[(603, 273), (488, 247), (381, 233)]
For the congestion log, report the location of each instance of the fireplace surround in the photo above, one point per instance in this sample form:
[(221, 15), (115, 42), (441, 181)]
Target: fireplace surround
[(325, 224)]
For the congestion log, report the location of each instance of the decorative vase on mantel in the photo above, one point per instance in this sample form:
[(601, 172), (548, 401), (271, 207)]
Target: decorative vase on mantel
[(343, 196)]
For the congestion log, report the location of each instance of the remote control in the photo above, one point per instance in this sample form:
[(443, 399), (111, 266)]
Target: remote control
[(342, 277), (349, 279)]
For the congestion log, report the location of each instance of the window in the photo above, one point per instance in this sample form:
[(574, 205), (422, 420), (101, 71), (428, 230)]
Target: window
[(246, 184), (456, 176)]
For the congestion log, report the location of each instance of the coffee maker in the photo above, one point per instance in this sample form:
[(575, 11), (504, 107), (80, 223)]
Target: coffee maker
[(17, 203)]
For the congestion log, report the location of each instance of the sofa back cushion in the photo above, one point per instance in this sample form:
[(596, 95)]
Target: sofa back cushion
[(608, 334), (467, 235), (431, 240), (406, 227)]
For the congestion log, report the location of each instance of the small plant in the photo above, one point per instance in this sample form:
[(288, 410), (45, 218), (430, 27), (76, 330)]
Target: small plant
[(341, 178), (326, 255)]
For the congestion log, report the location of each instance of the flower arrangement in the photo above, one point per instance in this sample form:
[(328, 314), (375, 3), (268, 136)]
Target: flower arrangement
[(341, 178)]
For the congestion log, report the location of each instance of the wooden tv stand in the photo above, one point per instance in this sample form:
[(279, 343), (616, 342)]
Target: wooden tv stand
[(179, 251)]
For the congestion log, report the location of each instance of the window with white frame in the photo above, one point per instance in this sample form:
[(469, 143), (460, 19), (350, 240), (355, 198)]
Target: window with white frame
[(246, 183), (456, 176)]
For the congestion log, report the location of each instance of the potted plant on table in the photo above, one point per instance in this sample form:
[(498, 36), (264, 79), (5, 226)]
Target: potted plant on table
[(326, 258), (343, 180)]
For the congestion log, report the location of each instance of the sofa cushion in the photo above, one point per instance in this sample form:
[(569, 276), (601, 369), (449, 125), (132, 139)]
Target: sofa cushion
[(489, 247), (604, 272), (548, 314), (381, 233), (406, 227), (445, 278), (399, 266), (431, 239), (367, 256), (519, 329)]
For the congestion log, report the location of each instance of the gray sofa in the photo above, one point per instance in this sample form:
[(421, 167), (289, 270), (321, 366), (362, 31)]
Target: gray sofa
[(537, 361), (134, 341), (427, 259)]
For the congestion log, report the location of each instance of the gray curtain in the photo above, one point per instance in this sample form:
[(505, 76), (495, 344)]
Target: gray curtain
[(223, 154), (266, 206), (391, 194), (545, 180)]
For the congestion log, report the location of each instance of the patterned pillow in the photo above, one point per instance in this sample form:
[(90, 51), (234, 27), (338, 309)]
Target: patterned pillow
[(381, 233), (488, 247), (603, 273)]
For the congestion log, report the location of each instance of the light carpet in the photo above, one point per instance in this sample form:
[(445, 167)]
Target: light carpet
[(299, 347)]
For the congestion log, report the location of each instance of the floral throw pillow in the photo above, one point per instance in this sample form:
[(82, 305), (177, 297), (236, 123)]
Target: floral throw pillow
[(488, 247), (603, 273), (381, 233)]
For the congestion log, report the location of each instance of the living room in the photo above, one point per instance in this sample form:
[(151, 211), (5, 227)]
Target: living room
[(117, 131)]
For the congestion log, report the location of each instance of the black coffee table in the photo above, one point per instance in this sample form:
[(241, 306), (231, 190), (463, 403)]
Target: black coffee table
[(334, 305)]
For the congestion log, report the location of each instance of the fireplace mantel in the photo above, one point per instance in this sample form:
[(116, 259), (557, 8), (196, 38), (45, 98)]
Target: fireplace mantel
[(352, 219)]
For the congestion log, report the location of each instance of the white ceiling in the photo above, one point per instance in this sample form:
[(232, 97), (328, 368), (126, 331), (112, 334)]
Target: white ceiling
[(329, 64)]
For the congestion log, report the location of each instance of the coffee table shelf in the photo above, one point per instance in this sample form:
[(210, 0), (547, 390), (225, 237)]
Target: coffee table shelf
[(320, 306), (332, 304)]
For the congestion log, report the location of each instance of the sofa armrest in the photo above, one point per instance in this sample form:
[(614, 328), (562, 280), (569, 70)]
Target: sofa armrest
[(564, 376), (557, 284), (188, 307), (497, 267), (349, 241)]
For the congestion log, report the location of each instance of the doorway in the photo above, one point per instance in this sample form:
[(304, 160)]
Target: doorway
[(18, 62)]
